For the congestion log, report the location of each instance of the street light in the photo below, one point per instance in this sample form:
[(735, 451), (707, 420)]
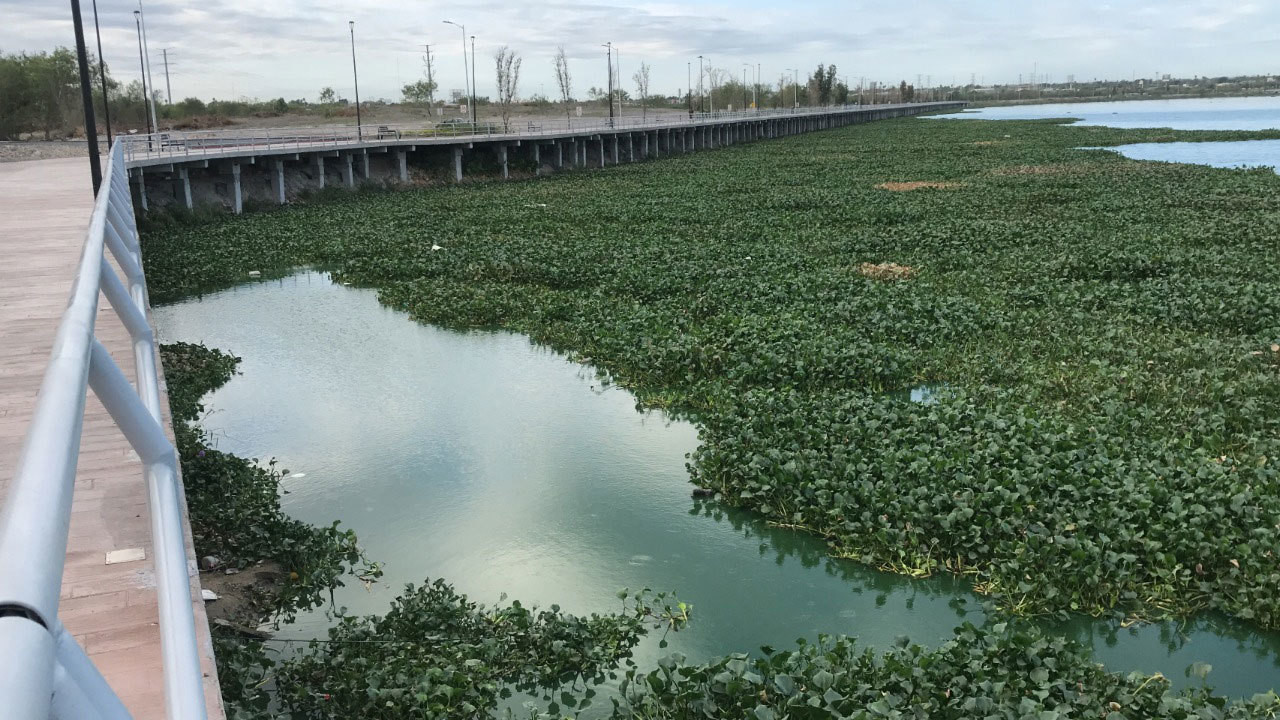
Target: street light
[(795, 82), (137, 21), (473, 81), (688, 86), (745, 67), (701, 105), (466, 73), (352, 25), (102, 73), (609, 54)]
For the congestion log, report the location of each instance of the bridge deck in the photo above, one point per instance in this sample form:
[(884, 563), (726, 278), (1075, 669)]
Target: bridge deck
[(110, 608)]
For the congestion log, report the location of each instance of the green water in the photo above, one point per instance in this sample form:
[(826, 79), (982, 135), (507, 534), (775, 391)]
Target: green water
[(502, 467)]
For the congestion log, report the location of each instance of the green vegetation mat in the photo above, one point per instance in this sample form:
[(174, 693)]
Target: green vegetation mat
[(1098, 337)]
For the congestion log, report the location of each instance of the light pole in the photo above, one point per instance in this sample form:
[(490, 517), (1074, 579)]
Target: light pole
[(795, 88), (688, 86), (473, 80), (351, 24), (701, 106), (102, 73), (137, 21), (745, 67), (609, 54), (86, 97), (466, 74), (151, 101)]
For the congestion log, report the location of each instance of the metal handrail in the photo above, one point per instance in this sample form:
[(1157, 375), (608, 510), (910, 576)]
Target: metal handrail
[(43, 671), (196, 143)]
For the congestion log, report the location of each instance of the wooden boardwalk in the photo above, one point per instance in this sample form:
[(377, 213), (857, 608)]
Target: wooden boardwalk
[(110, 608)]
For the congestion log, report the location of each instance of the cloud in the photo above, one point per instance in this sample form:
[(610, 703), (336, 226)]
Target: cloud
[(289, 48)]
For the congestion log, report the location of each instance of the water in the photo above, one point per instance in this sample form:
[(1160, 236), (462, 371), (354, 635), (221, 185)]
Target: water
[(502, 467), (1254, 113), (1239, 154)]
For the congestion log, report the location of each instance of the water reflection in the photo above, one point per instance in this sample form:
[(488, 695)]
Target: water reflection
[(501, 467)]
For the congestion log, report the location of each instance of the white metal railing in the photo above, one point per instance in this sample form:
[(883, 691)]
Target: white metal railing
[(44, 673), (195, 143)]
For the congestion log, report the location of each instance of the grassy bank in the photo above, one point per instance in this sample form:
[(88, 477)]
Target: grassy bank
[(1100, 336)]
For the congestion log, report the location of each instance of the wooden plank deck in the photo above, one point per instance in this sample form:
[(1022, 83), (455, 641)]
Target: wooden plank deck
[(110, 609)]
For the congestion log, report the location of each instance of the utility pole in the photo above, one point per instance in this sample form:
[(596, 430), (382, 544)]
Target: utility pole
[(168, 89), (609, 55), (356, 76), (473, 79), (744, 86), (146, 51), (102, 73), (795, 88), (688, 85), (86, 95)]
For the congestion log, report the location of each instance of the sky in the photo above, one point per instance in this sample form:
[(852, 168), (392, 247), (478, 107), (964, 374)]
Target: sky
[(292, 49)]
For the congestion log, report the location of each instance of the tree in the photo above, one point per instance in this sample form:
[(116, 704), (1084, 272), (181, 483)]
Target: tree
[(327, 96), (564, 80), (419, 93), (508, 76), (642, 86)]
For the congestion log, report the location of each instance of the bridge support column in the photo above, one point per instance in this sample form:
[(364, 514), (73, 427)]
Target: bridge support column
[(364, 164), (142, 190), (320, 170), (502, 158), (559, 155), (644, 145), (601, 148), (615, 149), (586, 146), (277, 179), (348, 173), (457, 164), (402, 162), (631, 148), (537, 159), (237, 199), (185, 177)]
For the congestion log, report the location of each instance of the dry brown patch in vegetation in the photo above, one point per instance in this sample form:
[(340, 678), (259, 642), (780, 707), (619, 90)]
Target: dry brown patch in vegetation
[(1057, 169), (887, 271), (918, 185)]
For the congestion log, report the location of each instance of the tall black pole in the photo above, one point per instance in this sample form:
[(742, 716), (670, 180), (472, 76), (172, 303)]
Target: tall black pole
[(352, 24), (86, 96), (102, 73)]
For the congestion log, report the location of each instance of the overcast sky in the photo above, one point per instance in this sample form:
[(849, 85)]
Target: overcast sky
[(272, 48)]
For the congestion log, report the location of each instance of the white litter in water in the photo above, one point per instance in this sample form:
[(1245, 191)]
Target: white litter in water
[(255, 273), (535, 205), (436, 247), (208, 595), (298, 475)]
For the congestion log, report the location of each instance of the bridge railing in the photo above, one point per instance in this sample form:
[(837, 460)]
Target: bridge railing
[(44, 673), (195, 143)]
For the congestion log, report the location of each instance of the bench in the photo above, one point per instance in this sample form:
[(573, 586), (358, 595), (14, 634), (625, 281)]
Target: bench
[(386, 132)]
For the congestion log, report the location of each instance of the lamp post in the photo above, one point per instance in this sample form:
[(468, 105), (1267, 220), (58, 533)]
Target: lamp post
[(473, 81), (701, 106), (356, 76), (86, 95), (795, 90), (102, 73), (609, 54), (137, 21), (688, 86), (466, 74), (151, 101), (745, 67)]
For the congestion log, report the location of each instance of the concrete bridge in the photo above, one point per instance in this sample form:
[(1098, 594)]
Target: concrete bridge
[(229, 169), (101, 613)]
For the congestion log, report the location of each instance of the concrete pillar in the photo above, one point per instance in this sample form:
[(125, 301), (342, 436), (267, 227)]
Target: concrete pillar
[(615, 149), (278, 180), (457, 164), (502, 158), (237, 200), (684, 141), (348, 173), (364, 165), (644, 144), (402, 162), (631, 147), (577, 155), (601, 146), (320, 170), (142, 190), (559, 155), (585, 144), (537, 159), (185, 177)]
